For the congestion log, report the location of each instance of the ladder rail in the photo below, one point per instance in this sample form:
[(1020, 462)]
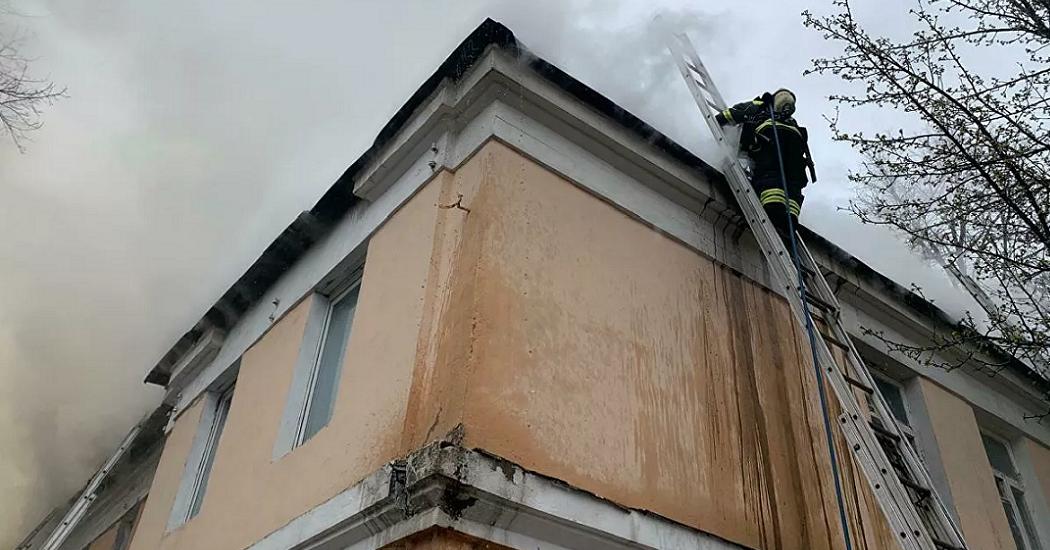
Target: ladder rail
[(882, 408), (892, 496), (682, 48), (80, 507), (902, 519)]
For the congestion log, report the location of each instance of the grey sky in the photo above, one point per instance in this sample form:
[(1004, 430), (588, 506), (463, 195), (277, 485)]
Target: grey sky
[(195, 131)]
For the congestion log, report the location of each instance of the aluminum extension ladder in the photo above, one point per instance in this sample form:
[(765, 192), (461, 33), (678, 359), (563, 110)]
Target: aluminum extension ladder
[(86, 498), (898, 480)]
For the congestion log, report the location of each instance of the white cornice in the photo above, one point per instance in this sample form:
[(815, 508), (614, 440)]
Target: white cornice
[(445, 485)]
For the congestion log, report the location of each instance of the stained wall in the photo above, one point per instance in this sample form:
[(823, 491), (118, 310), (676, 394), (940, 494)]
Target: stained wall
[(581, 344), (966, 467), (249, 493), (563, 335)]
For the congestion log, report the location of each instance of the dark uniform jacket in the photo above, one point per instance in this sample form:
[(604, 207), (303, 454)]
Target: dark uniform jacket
[(757, 141)]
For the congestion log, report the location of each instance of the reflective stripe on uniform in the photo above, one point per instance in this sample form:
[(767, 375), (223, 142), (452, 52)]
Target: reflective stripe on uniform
[(777, 196), (728, 114), (768, 123), (772, 196)]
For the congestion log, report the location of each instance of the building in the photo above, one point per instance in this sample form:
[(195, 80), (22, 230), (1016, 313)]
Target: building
[(525, 319)]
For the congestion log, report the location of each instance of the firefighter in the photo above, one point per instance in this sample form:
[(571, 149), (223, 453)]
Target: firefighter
[(757, 141)]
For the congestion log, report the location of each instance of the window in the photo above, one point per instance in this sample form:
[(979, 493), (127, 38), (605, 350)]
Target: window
[(893, 393), (327, 366), (315, 380), (200, 486), (1011, 492), (202, 457)]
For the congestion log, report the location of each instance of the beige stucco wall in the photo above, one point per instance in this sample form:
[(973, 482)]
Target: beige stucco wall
[(162, 492), (565, 336), (586, 346), (249, 494), (1040, 458), (970, 479)]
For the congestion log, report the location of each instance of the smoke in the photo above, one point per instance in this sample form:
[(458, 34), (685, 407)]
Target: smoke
[(195, 131), (619, 50)]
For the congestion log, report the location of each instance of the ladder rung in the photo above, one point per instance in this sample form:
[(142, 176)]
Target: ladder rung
[(884, 432), (905, 495), (923, 491), (700, 82), (819, 315), (819, 302), (835, 342), (858, 384), (809, 272), (941, 545)]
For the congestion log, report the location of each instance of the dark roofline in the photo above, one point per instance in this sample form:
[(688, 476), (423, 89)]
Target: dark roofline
[(917, 303), (151, 432), (312, 225)]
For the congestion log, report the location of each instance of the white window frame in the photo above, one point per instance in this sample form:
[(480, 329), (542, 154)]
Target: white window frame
[(312, 384), (906, 424), (1011, 483), (192, 488), (291, 433)]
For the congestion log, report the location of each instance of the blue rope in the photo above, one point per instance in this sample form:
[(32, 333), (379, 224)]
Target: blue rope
[(812, 337)]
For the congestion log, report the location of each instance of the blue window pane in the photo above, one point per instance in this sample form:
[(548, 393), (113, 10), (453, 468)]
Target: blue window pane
[(329, 364)]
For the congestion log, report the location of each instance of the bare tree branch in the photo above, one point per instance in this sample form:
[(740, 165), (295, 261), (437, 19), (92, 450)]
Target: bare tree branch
[(969, 182), (22, 97)]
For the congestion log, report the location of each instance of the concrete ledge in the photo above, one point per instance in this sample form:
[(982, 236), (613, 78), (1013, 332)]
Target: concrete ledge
[(446, 485), (198, 357)]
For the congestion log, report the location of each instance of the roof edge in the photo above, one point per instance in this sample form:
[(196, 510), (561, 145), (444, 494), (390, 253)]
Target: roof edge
[(312, 225), (918, 304)]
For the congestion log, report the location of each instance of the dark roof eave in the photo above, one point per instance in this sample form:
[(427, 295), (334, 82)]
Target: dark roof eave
[(312, 225), (917, 303)]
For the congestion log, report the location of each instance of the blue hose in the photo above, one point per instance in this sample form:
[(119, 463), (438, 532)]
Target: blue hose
[(812, 338)]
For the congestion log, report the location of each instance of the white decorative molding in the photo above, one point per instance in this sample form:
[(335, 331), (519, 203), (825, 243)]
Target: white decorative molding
[(199, 356), (458, 120), (500, 98), (444, 485)]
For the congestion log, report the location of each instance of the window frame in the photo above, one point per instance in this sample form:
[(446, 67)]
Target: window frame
[(907, 425), (196, 474), (223, 403), (311, 387), (1022, 519), (328, 293)]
